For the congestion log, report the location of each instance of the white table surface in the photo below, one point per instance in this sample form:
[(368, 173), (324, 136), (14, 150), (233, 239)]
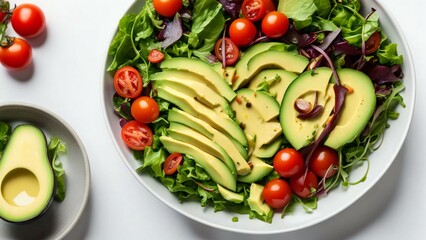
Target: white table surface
[(66, 78)]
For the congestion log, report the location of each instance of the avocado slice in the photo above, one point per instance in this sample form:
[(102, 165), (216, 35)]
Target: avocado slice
[(259, 170), (277, 80), (229, 195), (255, 201), (186, 134), (228, 73), (202, 69), (235, 150), (268, 150), (26, 176), (216, 169), (221, 122)]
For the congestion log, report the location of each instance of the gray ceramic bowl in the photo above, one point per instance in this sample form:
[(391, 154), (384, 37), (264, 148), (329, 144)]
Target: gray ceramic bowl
[(60, 218)]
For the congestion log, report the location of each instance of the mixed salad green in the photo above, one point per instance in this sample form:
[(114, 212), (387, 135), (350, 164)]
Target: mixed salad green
[(330, 33)]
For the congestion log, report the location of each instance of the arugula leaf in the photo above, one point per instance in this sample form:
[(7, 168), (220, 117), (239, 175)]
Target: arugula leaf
[(55, 148)]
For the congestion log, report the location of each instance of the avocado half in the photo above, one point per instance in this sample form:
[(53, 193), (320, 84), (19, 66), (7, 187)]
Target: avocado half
[(27, 181)]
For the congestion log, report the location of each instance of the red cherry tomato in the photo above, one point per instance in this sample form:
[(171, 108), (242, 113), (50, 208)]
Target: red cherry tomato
[(275, 24), (255, 10), (373, 43), (16, 56), (231, 51), (167, 8), (288, 162), (145, 109), (242, 32), (172, 163), (136, 135), (28, 20), (277, 193), (324, 161), (155, 56), (128, 82), (2, 16), (303, 185)]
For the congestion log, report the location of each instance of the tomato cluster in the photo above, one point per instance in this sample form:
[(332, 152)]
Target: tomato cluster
[(296, 177), (29, 22)]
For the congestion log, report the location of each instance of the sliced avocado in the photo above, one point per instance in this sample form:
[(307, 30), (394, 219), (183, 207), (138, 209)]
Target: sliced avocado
[(186, 134), (277, 80), (202, 69), (259, 170), (229, 195), (300, 132), (271, 59), (255, 201), (359, 106), (228, 73), (267, 107), (235, 150), (27, 182), (216, 169), (268, 150), (196, 109)]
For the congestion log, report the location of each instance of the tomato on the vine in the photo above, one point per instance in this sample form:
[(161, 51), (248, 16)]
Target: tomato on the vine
[(303, 185), (167, 8), (277, 193), (255, 10), (136, 135), (242, 32), (28, 20), (275, 24), (324, 161), (288, 162), (145, 109), (171, 163), (128, 82), (155, 56), (16, 55), (373, 43), (231, 51)]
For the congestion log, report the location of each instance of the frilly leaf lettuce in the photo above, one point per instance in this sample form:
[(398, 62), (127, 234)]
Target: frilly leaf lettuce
[(55, 148), (5, 131)]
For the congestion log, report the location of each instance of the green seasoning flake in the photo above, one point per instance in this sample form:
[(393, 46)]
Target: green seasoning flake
[(235, 219)]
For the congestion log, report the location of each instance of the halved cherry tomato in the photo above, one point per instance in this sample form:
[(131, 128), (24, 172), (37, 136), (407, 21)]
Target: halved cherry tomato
[(28, 20), (242, 32), (275, 24), (155, 56), (167, 8), (324, 162), (17, 55), (303, 185), (288, 162), (231, 51), (373, 43), (172, 162), (277, 193), (136, 135), (255, 10), (145, 109), (128, 82)]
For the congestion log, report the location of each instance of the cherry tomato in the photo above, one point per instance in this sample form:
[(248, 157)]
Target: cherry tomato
[(2, 16), (128, 82), (242, 32), (172, 162), (145, 109), (28, 20), (155, 56), (16, 56), (302, 185), (167, 8), (275, 24), (288, 162), (136, 135), (324, 161), (255, 10), (277, 193), (231, 51), (373, 43)]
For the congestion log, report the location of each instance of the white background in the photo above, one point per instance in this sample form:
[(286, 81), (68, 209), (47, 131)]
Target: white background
[(66, 77)]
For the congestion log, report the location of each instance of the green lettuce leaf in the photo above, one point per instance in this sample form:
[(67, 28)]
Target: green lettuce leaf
[(5, 131), (55, 148), (299, 11)]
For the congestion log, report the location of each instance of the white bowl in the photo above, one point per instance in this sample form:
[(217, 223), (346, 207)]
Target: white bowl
[(61, 217), (338, 199)]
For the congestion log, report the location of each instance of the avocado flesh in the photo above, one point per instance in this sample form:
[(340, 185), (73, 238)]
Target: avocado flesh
[(259, 170), (27, 180), (216, 169), (235, 150), (255, 200), (228, 73), (229, 195), (221, 122), (202, 69), (186, 134), (268, 150)]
